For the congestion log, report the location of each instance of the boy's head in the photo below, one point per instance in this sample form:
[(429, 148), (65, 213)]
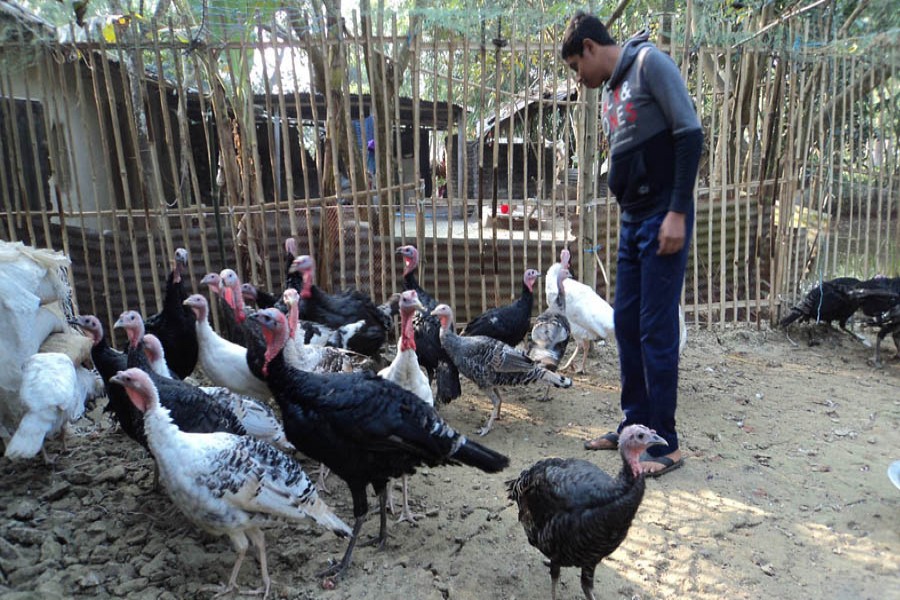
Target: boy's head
[(583, 27), (589, 50)]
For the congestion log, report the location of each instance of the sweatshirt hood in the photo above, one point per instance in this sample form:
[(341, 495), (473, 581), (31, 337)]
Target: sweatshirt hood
[(630, 51)]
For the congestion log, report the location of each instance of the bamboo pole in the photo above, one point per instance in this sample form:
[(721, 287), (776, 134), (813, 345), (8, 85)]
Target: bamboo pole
[(82, 101), (60, 163), (320, 151), (7, 180), (414, 67), (288, 154), (714, 174), (447, 178), (277, 164), (143, 187), (465, 169), (17, 164), (124, 180), (171, 145), (367, 206), (35, 159), (724, 136)]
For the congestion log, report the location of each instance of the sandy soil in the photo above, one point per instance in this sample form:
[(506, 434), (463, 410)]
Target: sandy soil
[(783, 495)]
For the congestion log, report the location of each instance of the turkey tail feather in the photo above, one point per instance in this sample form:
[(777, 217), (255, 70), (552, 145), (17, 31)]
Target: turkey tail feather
[(323, 515), (481, 457), (28, 439), (793, 316)]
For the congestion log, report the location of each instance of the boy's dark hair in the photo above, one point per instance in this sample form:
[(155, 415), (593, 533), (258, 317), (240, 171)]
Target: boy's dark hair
[(583, 26)]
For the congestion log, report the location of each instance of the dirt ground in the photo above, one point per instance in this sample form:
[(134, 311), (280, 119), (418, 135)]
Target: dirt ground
[(784, 494)]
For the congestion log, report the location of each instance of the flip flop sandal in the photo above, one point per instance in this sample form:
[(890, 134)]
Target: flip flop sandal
[(668, 464), (607, 441)]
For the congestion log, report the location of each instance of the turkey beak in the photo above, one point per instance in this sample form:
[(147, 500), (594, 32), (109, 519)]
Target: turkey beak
[(293, 268), (419, 306), (656, 440), (117, 378), (119, 324)]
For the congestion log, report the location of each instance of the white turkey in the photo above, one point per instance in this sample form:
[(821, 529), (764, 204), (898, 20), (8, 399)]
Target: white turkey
[(224, 362), (53, 392), (491, 364), (227, 484), (404, 370), (257, 418), (590, 316)]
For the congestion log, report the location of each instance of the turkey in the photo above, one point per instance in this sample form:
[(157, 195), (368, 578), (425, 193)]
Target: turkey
[(257, 418), (224, 362), (234, 297), (551, 331), (232, 331), (431, 355), (511, 323), (108, 361), (317, 358), (576, 514), (365, 429), (227, 484), (404, 370), (174, 324), (590, 316), (312, 333), (192, 409), (259, 298), (336, 310), (830, 301), (53, 392), (877, 295), (889, 322), (491, 364)]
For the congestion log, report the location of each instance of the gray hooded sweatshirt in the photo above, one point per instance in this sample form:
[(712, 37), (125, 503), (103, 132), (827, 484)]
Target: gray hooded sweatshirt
[(654, 134)]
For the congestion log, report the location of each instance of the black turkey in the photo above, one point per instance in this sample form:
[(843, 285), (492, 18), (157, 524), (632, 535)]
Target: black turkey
[(831, 301), (427, 329), (575, 513), (512, 322), (174, 324), (366, 429), (343, 308)]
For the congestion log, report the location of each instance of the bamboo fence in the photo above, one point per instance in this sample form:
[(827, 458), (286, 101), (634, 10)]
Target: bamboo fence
[(117, 153)]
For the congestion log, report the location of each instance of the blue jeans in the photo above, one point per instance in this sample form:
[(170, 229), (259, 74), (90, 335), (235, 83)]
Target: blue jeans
[(648, 291)]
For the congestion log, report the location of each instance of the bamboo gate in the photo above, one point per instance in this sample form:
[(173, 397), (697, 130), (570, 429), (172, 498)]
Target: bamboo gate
[(487, 158)]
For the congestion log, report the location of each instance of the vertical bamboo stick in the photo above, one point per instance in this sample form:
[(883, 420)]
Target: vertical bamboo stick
[(465, 169), (367, 201), (36, 163), (61, 113), (111, 97), (277, 164), (7, 180), (170, 145), (154, 186), (17, 163)]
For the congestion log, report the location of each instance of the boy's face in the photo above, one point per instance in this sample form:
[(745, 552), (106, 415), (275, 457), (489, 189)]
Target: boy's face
[(589, 66)]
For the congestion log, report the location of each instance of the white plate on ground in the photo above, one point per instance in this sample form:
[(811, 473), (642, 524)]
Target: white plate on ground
[(894, 473)]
